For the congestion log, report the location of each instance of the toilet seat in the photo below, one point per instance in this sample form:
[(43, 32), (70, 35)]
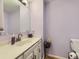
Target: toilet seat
[(75, 46)]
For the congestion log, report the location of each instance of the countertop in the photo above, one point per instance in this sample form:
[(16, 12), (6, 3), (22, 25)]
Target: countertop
[(9, 51)]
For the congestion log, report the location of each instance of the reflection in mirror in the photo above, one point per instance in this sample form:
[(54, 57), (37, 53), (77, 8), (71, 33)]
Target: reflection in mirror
[(1, 16), (16, 17)]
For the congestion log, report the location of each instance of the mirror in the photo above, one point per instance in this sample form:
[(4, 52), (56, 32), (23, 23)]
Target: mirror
[(1, 17), (16, 17)]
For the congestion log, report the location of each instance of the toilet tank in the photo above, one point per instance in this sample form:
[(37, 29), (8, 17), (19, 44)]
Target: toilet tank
[(75, 45)]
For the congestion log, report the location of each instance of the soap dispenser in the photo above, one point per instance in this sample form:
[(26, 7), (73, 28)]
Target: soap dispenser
[(13, 39)]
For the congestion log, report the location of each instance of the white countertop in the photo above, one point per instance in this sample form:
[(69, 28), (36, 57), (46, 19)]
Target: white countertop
[(9, 51)]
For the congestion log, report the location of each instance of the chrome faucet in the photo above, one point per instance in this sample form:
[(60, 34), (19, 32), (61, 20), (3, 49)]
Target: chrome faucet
[(19, 37)]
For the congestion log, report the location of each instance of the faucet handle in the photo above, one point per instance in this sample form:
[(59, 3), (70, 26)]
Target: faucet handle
[(19, 37)]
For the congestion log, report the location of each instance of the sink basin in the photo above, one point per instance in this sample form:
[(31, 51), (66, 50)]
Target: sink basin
[(21, 43)]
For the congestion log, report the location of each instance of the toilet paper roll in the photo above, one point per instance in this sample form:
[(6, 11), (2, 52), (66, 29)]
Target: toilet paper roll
[(72, 55)]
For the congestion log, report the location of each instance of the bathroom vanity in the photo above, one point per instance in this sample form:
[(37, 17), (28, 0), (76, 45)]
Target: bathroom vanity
[(28, 48)]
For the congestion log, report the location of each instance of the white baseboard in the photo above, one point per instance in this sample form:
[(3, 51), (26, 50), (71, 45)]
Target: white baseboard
[(56, 56)]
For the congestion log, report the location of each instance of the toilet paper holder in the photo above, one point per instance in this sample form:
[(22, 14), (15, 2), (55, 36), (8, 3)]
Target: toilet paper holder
[(72, 55)]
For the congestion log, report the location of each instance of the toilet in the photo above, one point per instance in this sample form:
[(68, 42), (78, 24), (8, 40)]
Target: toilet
[(74, 43)]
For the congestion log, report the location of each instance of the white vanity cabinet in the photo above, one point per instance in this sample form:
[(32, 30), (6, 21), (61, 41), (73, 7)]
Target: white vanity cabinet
[(34, 52), (24, 56), (29, 53), (30, 56), (37, 52)]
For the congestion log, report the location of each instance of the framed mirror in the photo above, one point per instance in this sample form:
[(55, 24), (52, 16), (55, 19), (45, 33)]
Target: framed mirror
[(16, 17)]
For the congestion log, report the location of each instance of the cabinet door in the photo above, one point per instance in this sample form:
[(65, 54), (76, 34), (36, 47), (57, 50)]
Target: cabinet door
[(30, 56), (37, 52)]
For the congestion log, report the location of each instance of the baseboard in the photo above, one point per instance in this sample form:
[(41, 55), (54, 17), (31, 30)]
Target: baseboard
[(56, 56)]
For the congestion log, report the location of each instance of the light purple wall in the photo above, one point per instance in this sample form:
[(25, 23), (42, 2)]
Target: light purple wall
[(37, 17), (62, 24)]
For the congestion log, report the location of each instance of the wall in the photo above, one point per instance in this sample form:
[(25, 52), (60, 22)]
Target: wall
[(62, 24), (37, 17)]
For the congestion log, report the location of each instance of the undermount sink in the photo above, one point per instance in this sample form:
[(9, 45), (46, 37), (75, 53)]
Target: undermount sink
[(21, 43)]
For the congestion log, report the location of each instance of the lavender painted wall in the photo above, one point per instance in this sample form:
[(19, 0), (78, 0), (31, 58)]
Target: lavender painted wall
[(62, 24), (37, 17)]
